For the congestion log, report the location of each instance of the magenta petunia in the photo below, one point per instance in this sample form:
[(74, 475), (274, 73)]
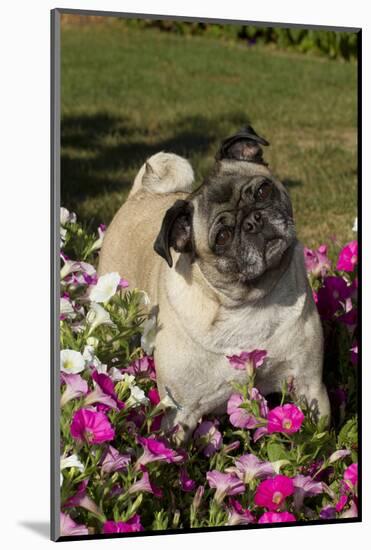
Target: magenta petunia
[(332, 297), (248, 360), (341, 503), (271, 493), (104, 392), (286, 419), (132, 525), (186, 483), (348, 257), (91, 426), (351, 476), (208, 438), (225, 484), (276, 517)]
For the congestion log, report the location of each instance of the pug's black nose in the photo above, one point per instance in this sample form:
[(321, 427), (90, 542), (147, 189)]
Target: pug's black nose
[(253, 223)]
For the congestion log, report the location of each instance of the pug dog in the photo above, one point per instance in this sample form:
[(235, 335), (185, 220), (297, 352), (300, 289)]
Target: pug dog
[(226, 274)]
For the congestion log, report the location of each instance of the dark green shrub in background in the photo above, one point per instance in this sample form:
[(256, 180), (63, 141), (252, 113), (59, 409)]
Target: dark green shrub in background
[(332, 44)]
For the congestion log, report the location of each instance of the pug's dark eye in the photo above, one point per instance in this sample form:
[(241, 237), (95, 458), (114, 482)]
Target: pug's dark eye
[(264, 191), (223, 237)]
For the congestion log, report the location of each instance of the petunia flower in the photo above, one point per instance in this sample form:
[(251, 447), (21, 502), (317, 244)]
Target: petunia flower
[(305, 486), (276, 517), (248, 361), (82, 499), (71, 461), (352, 511), (332, 297), (328, 512), (66, 310), (348, 257), (72, 362), (341, 453), (76, 387), (69, 528), (104, 392), (225, 484), (156, 450), (144, 367), (91, 426), (105, 288), (354, 354), (92, 361), (271, 493), (144, 485), (137, 397), (97, 316), (131, 525), (98, 243), (248, 467), (114, 461), (316, 261), (237, 515), (66, 216), (208, 438), (286, 419), (351, 477), (240, 417), (186, 483)]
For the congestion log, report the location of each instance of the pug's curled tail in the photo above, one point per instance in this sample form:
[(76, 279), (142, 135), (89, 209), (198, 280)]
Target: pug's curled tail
[(164, 173)]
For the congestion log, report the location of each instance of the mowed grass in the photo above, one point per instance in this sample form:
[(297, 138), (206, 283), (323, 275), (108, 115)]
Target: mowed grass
[(127, 94)]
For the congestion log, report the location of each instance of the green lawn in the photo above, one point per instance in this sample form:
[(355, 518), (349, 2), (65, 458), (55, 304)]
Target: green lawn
[(127, 94)]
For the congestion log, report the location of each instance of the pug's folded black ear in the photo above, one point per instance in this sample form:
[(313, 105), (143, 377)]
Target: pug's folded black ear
[(245, 146), (176, 231)]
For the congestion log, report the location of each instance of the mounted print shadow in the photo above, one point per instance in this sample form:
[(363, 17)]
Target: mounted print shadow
[(205, 356)]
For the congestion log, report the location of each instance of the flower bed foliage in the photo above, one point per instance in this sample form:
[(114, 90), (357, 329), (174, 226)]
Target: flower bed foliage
[(265, 461)]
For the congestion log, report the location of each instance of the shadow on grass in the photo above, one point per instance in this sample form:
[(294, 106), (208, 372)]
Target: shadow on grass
[(101, 153)]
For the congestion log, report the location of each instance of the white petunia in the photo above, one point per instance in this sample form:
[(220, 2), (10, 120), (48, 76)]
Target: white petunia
[(355, 225), (66, 308), (92, 341), (147, 340), (144, 301), (98, 243), (105, 287), (97, 316), (63, 233), (71, 461), (72, 362), (115, 374), (137, 397), (67, 217), (92, 360)]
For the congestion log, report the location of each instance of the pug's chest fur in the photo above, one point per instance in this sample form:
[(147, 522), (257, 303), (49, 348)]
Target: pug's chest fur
[(276, 323)]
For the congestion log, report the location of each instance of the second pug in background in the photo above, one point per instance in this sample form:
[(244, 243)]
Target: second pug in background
[(227, 273)]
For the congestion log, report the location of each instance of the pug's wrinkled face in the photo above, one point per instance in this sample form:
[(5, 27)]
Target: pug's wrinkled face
[(239, 224), (245, 221)]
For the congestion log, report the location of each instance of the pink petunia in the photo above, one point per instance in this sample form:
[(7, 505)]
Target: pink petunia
[(240, 417), (305, 486), (132, 525), (286, 419), (276, 517), (249, 467), (156, 450), (317, 261), (114, 461), (91, 426), (76, 387), (208, 438), (142, 367), (248, 360), (104, 392), (82, 499), (144, 485), (225, 484), (271, 493), (237, 515), (69, 528), (348, 257)]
